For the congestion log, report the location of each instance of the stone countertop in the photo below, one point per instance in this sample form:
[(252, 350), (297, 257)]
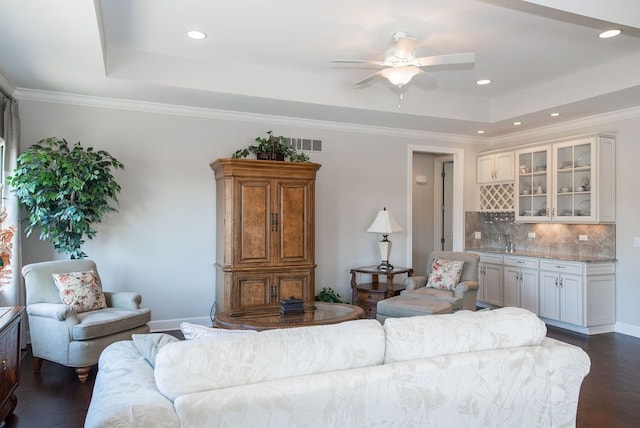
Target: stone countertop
[(545, 255)]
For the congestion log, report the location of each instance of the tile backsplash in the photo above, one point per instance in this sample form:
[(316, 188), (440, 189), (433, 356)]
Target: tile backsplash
[(551, 238)]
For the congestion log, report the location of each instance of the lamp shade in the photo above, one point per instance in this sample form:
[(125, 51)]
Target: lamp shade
[(384, 223), (401, 75)]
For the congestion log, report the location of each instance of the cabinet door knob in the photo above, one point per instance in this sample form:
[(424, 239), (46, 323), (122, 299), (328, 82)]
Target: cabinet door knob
[(4, 364)]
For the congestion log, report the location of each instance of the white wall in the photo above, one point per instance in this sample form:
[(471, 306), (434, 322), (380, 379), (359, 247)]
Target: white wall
[(162, 242), (628, 226)]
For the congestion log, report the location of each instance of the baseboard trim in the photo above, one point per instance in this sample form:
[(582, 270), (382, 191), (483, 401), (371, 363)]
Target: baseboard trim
[(174, 324), (599, 329), (628, 329)]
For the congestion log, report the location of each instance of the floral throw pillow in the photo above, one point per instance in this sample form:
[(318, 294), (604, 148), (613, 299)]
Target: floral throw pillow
[(445, 274), (82, 290)]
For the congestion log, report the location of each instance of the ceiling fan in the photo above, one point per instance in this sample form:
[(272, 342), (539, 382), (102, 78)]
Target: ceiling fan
[(402, 65)]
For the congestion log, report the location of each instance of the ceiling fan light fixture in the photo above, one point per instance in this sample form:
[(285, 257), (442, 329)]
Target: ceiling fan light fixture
[(399, 76), (483, 82)]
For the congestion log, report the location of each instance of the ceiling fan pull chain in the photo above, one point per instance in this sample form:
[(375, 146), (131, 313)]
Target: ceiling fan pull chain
[(400, 102)]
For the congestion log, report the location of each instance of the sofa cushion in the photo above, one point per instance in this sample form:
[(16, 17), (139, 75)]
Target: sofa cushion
[(195, 331), (429, 293), (444, 274), (82, 290), (150, 344), (464, 331), (214, 362), (108, 321)]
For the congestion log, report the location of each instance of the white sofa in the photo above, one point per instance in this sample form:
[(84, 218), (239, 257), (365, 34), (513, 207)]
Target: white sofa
[(485, 369)]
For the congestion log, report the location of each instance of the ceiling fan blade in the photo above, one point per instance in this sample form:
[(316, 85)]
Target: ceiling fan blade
[(356, 61), (368, 78), (405, 46), (461, 58)]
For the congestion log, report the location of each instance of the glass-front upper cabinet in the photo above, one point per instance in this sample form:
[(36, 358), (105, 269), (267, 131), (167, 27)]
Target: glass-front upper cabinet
[(567, 182), (574, 180), (533, 184)]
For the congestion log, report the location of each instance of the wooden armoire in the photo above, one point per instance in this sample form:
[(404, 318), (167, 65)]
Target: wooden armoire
[(264, 232)]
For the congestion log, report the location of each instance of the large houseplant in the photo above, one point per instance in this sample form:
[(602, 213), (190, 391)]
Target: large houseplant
[(272, 148), (65, 190)]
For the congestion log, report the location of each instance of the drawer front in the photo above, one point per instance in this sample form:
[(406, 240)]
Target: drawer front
[(601, 268), (562, 266), (9, 359), (371, 296), (523, 262), (495, 259), (370, 311)]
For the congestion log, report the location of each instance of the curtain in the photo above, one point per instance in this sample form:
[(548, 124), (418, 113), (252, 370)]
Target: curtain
[(13, 294)]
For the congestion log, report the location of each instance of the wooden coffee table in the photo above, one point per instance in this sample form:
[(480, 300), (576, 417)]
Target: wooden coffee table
[(268, 317)]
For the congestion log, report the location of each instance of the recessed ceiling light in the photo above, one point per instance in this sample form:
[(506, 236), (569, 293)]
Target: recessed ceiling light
[(609, 33), (480, 132), (196, 35), (483, 82), (517, 123), (554, 114)]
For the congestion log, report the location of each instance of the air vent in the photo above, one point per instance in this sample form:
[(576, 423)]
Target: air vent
[(305, 144)]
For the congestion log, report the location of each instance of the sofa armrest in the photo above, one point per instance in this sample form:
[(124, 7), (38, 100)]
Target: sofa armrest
[(415, 282), (56, 311), (123, 299)]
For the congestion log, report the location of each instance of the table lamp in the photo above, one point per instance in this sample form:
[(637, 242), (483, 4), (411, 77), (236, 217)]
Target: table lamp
[(384, 224)]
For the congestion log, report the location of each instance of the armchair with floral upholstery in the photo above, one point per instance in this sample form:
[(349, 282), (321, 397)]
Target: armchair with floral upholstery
[(76, 332), (451, 284)]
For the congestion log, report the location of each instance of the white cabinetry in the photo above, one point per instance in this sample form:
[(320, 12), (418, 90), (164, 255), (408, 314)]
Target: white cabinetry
[(581, 294), (569, 182), (578, 296), (495, 168), (601, 294), (490, 279), (561, 287), (521, 282), (533, 184)]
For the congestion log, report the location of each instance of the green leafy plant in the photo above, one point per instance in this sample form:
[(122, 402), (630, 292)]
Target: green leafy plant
[(65, 190), (328, 294), (272, 148)]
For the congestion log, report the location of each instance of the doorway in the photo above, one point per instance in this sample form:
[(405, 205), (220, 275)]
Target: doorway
[(427, 222)]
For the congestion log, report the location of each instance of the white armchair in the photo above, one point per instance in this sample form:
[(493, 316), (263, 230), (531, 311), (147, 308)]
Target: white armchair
[(465, 293), (64, 336), (417, 299)]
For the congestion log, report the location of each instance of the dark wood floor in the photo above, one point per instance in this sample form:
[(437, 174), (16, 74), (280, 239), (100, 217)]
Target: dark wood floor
[(610, 394)]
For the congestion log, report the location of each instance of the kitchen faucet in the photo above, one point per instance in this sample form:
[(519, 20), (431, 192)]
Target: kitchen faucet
[(509, 245)]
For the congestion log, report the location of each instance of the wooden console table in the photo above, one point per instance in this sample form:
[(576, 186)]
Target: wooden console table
[(367, 295), (9, 358)]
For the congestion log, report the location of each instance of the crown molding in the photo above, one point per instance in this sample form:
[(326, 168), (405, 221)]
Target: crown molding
[(6, 87), (600, 124), (227, 115), (587, 124)]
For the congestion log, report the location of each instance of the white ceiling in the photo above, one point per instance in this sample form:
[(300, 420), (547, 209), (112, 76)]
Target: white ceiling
[(273, 57)]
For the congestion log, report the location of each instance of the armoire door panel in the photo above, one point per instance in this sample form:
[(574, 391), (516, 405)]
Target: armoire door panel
[(253, 290), (293, 222), (294, 284), (255, 222)]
